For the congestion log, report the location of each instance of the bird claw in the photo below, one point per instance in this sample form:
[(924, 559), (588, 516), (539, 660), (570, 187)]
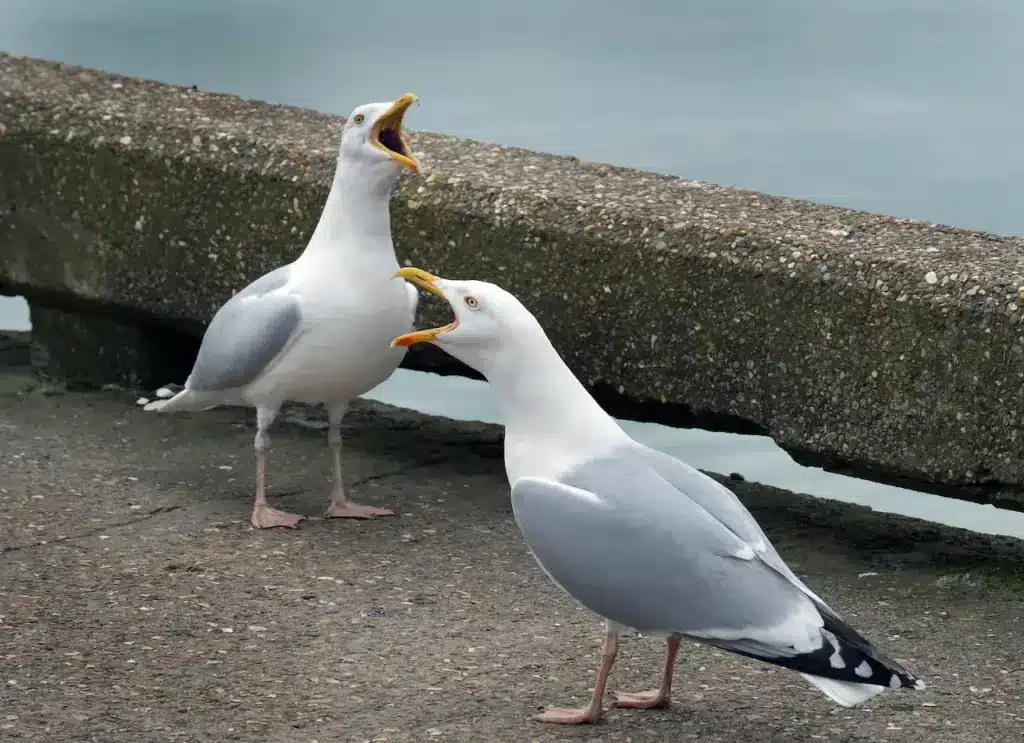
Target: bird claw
[(355, 511), (569, 716), (654, 699), (265, 517)]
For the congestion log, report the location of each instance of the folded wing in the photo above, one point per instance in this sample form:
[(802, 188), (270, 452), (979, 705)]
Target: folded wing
[(246, 335), (633, 547)]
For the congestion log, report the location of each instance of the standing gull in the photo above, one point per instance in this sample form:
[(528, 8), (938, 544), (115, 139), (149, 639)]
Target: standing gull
[(316, 330), (635, 535)]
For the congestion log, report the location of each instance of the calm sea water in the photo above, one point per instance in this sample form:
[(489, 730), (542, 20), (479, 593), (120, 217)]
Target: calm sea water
[(909, 107)]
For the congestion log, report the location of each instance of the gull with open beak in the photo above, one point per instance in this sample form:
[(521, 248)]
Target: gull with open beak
[(635, 535), (316, 330)]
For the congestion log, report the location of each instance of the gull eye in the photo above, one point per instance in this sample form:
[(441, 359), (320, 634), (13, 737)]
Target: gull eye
[(472, 303), (359, 118)]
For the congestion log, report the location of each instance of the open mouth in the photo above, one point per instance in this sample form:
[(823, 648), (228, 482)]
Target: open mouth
[(387, 133), (423, 336), (426, 281)]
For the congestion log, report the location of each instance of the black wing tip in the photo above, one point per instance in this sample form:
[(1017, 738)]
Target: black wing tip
[(874, 667), (852, 665), (840, 658), (904, 679)]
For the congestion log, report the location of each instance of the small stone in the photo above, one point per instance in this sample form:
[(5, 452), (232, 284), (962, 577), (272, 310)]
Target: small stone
[(931, 277)]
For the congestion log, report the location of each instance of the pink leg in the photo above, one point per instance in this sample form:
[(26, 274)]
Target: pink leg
[(340, 507), (591, 714), (658, 697), (263, 516)]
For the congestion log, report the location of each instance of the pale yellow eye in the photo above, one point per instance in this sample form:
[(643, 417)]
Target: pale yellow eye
[(472, 303), (359, 118)]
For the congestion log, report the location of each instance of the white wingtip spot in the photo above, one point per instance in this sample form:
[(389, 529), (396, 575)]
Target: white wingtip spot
[(142, 401), (919, 684), (895, 683), (863, 670), (835, 660)]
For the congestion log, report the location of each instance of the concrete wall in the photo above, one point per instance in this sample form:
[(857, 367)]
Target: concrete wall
[(129, 210)]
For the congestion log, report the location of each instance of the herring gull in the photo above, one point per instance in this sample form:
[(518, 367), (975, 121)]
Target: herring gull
[(316, 330), (635, 535)]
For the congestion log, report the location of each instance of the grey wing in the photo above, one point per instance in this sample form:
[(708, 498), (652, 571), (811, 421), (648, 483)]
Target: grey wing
[(268, 282), (720, 502), (247, 334), (709, 494), (625, 543)]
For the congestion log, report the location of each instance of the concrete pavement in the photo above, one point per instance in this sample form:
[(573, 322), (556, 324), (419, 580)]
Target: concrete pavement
[(137, 603)]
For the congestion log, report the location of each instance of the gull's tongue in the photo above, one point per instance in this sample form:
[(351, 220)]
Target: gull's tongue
[(389, 138)]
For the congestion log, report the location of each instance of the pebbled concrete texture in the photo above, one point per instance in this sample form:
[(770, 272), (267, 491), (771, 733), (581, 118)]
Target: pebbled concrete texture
[(137, 604), (853, 339)]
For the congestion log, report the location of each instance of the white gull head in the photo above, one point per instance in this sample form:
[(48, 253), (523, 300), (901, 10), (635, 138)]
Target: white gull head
[(551, 421), (373, 142), (492, 329), (373, 153)]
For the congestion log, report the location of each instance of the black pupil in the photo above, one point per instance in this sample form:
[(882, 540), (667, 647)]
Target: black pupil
[(389, 138)]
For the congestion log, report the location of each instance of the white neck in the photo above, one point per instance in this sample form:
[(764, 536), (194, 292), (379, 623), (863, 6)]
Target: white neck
[(356, 217), (551, 421)]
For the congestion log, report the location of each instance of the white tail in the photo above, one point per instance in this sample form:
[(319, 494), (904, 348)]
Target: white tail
[(844, 692), (171, 401)]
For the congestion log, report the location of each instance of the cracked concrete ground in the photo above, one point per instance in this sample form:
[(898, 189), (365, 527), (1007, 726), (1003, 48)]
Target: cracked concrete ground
[(137, 603)]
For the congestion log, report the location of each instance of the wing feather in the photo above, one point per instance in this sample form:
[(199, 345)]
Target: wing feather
[(247, 334), (621, 540), (637, 548)]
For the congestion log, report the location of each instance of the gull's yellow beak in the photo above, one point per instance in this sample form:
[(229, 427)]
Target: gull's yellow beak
[(427, 281), (387, 133), (420, 278)]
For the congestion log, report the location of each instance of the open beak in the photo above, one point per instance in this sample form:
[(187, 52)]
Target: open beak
[(387, 132), (428, 282)]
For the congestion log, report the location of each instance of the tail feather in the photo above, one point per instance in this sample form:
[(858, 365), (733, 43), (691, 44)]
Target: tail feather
[(847, 667), (175, 398), (168, 391), (843, 692)]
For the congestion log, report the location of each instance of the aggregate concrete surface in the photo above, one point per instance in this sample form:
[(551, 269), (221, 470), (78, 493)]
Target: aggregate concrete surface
[(137, 603), (864, 340)]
